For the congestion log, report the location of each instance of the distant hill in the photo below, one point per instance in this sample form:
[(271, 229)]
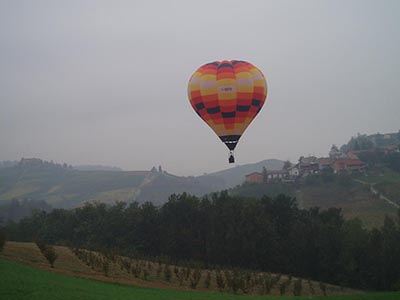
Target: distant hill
[(96, 168), (236, 175), (162, 185), (63, 186), (7, 163)]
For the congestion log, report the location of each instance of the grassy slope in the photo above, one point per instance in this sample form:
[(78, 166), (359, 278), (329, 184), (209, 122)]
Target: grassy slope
[(257, 190), (385, 180), (25, 282), (354, 198)]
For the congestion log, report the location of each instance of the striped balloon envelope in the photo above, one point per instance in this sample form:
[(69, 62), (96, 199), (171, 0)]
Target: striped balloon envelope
[(227, 95)]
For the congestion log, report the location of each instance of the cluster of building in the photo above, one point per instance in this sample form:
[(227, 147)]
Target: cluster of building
[(337, 162)]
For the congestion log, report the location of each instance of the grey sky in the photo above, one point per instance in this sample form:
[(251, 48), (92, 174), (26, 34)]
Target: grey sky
[(104, 82)]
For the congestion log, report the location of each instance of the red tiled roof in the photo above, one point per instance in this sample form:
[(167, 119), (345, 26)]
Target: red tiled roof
[(254, 173), (325, 161), (349, 162)]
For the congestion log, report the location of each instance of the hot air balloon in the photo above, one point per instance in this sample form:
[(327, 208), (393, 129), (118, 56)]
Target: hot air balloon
[(227, 95)]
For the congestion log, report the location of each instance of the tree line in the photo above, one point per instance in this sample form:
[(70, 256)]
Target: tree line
[(267, 234)]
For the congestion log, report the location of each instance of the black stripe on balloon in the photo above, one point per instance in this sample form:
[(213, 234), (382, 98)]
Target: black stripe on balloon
[(213, 110), (225, 65), (199, 106), (230, 114), (214, 63), (243, 108), (234, 62), (256, 102), (230, 140)]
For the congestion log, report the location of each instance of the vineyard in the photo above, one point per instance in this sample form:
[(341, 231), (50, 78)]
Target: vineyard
[(114, 268)]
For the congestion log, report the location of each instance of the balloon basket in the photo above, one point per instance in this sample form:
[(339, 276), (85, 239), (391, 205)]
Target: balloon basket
[(231, 158)]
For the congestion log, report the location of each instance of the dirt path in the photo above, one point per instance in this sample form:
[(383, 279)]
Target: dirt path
[(374, 191), (147, 180)]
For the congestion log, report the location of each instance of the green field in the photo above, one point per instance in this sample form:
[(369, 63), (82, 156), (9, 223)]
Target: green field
[(24, 282)]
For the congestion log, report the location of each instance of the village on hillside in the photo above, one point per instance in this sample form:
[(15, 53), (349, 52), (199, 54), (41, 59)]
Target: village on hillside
[(340, 161)]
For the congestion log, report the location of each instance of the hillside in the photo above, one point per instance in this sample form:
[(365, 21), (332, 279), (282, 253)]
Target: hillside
[(346, 192), (66, 187), (96, 168), (235, 175), (161, 186), (385, 181), (144, 275), (355, 200)]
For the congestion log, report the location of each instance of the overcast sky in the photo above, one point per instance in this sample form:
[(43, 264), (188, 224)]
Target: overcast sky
[(105, 82)]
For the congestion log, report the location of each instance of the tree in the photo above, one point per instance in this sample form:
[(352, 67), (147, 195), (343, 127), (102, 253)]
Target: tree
[(265, 174), (50, 253), (40, 244), (270, 234), (2, 240)]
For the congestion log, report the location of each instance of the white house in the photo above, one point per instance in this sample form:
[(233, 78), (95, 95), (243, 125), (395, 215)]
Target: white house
[(294, 171)]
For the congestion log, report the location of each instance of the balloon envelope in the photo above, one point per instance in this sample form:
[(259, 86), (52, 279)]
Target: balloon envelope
[(227, 95)]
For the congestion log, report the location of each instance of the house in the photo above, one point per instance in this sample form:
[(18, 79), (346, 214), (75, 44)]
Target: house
[(348, 165), (307, 169), (255, 177), (307, 160), (324, 163), (308, 165), (277, 174), (351, 155), (294, 171), (391, 149), (273, 175)]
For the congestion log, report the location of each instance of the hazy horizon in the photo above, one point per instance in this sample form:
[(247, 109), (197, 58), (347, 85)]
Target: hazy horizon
[(105, 83)]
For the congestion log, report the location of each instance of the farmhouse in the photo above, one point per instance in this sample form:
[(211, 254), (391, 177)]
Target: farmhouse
[(294, 171), (348, 165), (351, 155), (308, 165), (254, 177), (277, 174), (324, 163)]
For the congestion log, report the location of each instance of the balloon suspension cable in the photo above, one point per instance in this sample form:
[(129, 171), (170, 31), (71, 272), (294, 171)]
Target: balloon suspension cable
[(231, 158)]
